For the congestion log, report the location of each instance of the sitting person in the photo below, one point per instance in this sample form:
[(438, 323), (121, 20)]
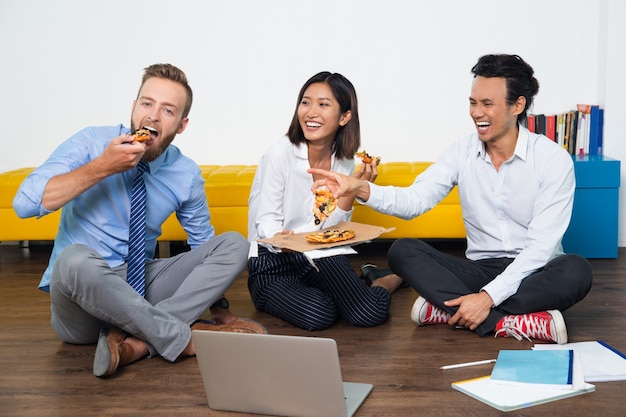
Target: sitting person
[(517, 193), (104, 284), (312, 295)]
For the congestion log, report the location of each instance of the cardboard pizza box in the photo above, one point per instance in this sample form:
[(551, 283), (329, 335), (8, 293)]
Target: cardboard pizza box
[(297, 242)]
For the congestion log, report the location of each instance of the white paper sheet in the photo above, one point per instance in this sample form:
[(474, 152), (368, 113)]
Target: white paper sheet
[(337, 250), (599, 361)]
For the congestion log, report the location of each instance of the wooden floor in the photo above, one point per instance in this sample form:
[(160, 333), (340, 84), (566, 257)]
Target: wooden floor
[(41, 376)]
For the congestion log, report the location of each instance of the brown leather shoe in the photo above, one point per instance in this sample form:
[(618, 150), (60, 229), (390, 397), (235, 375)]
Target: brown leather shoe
[(239, 325), (111, 352)]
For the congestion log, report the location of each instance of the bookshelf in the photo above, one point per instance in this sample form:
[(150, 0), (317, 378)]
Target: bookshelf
[(593, 228), (579, 131)]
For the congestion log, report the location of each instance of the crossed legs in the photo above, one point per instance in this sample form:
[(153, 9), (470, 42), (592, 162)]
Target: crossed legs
[(88, 295)]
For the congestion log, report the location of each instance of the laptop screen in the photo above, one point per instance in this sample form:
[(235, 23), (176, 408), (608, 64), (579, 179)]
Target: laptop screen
[(274, 374)]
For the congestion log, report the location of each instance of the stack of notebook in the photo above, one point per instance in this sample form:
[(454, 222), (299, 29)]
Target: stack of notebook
[(600, 361), (523, 378)]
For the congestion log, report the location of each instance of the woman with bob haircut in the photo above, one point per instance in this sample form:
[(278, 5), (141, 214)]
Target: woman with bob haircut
[(311, 294)]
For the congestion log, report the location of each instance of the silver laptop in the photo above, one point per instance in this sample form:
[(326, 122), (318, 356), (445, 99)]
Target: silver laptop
[(275, 375)]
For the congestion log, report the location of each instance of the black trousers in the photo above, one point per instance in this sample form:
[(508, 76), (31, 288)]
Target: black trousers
[(438, 277)]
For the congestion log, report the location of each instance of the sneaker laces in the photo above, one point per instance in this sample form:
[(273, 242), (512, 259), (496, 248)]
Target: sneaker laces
[(436, 316), (536, 327)]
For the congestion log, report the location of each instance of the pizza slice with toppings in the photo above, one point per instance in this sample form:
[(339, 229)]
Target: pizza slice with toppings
[(330, 236), (325, 203), (367, 158)]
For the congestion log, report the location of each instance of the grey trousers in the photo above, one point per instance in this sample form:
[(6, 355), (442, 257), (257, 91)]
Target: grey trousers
[(86, 294)]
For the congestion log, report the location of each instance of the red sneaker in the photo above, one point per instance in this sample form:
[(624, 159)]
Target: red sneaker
[(548, 326), (424, 312)]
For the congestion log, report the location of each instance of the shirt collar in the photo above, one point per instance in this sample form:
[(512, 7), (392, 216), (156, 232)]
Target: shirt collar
[(157, 163), (302, 151), (521, 146)]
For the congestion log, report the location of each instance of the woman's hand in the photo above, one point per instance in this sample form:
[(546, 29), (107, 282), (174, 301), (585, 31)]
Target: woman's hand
[(368, 171), (284, 232)]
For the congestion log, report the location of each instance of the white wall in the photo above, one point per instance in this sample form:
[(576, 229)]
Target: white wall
[(72, 63), (615, 74)]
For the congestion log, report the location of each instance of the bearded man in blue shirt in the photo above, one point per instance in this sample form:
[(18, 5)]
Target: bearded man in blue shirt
[(517, 192), (90, 176)]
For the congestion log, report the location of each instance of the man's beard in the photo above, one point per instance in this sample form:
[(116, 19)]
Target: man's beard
[(157, 148), (154, 151)]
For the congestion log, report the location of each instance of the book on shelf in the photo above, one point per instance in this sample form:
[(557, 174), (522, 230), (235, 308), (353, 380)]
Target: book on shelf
[(540, 124), (550, 129), (596, 119), (584, 122), (560, 129), (507, 397), (530, 122), (572, 127)]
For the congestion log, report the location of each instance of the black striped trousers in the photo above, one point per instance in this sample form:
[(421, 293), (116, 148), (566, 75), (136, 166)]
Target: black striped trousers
[(287, 286)]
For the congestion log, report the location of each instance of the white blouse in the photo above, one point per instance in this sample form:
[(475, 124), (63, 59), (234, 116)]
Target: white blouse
[(281, 197)]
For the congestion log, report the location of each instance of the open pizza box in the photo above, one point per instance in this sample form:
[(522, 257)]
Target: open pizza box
[(297, 242)]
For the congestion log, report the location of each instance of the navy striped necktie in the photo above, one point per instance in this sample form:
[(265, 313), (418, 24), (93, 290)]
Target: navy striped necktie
[(135, 274)]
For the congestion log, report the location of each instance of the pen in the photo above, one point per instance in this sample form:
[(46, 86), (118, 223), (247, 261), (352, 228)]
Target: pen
[(462, 365)]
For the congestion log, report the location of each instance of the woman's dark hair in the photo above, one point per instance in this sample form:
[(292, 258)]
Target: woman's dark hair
[(348, 138), (518, 74)]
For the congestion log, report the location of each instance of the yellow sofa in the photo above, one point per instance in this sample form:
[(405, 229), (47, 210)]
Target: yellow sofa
[(227, 188)]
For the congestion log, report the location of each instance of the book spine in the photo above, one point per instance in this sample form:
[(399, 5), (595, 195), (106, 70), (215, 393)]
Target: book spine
[(540, 124), (584, 113), (530, 123), (601, 128), (573, 132), (560, 129), (551, 126), (570, 378), (593, 134), (567, 120)]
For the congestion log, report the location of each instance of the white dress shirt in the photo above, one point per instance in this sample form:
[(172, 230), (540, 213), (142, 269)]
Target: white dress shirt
[(281, 197), (520, 211)]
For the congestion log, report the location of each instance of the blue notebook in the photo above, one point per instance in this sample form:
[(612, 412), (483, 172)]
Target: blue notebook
[(542, 368)]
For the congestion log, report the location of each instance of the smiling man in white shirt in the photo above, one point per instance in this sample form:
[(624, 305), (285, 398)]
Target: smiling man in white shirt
[(517, 193)]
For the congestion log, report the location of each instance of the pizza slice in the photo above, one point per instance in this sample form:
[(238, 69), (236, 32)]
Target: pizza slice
[(325, 203), (330, 236), (367, 158), (141, 135)]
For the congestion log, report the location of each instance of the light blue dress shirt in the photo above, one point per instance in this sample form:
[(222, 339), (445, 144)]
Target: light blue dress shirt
[(520, 211), (99, 217)]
